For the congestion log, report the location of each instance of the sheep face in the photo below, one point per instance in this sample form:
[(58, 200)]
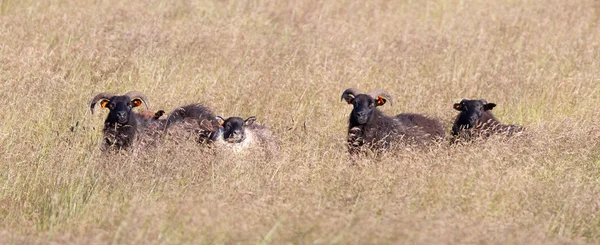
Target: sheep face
[(471, 113), (120, 109), (364, 107), (233, 128)]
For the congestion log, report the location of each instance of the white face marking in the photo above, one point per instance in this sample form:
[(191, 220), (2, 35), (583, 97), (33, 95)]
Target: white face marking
[(236, 147)]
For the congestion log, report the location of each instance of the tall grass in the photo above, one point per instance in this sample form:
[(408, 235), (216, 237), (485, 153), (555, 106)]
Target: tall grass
[(287, 62)]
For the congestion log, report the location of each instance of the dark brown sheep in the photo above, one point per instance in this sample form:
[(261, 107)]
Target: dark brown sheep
[(370, 129), (476, 119), (122, 125)]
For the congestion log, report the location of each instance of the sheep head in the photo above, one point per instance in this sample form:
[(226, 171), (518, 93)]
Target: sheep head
[(120, 106), (471, 112), (365, 104), (233, 128)]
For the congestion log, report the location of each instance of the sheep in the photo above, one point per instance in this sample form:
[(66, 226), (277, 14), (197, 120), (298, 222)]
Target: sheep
[(476, 119), (369, 129), (240, 134), (122, 125)]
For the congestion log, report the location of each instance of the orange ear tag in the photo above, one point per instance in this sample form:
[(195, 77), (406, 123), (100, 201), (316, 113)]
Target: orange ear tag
[(137, 102), (380, 100), (104, 103), (457, 107)]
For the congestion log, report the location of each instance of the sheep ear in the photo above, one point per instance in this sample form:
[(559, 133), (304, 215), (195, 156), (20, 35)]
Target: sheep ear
[(381, 100), (458, 107), (136, 102), (104, 103), (489, 106), (220, 120), (249, 121)]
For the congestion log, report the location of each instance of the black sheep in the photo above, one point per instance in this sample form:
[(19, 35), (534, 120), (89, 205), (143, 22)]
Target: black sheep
[(122, 125), (476, 119), (370, 128)]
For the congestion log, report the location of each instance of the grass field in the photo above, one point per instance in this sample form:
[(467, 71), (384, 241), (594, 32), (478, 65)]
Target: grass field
[(287, 62)]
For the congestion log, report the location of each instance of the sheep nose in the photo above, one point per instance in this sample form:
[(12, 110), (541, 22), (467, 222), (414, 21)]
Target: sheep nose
[(121, 114), (236, 132)]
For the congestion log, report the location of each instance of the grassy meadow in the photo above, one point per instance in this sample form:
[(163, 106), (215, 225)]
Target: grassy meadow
[(287, 63)]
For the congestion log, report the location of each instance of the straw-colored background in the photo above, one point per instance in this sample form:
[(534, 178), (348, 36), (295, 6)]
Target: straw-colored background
[(287, 62)]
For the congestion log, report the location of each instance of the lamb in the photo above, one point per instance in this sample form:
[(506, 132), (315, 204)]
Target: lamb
[(369, 129), (475, 119), (240, 134), (122, 125)]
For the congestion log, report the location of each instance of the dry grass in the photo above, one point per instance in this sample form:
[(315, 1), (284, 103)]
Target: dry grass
[(287, 62)]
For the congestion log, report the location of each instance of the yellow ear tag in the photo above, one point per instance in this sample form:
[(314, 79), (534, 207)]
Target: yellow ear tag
[(221, 123), (380, 100), (104, 103), (137, 102)]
